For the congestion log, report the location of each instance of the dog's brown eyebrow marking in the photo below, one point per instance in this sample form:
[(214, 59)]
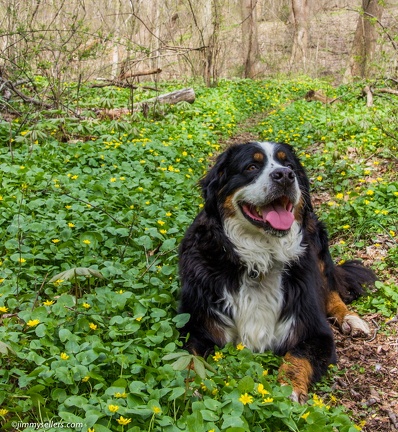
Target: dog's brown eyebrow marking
[(258, 157), (281, 155)]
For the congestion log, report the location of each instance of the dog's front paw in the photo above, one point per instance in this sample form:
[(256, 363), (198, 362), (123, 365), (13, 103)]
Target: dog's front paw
[(354, 326), (299, 396)]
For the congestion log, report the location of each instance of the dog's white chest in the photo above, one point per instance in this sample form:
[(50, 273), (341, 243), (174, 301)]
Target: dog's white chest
[(255, 311)]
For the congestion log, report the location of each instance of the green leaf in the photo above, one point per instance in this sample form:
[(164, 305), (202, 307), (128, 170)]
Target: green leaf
[(176, 392), (246, 384), (76, 271), (181, 319), (5, 349), (182, 363), (199, 367)]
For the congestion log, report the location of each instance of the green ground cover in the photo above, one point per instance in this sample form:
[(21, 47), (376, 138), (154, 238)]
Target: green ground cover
[(91, 215)]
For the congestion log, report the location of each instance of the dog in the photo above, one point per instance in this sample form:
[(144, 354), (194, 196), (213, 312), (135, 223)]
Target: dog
[(255, 266)]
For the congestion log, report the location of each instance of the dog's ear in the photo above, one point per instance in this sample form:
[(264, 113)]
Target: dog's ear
[(213, 181)]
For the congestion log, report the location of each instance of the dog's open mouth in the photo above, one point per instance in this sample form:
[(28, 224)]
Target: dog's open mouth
[(277, 214)]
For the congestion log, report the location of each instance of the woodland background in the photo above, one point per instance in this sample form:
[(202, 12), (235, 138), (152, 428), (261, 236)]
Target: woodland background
[(86, 39)]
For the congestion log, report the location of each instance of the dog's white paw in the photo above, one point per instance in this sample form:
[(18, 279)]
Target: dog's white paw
[(299, 396), (354, 326)]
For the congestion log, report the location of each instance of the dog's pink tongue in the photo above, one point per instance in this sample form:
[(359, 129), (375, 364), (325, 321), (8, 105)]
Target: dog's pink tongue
[(278, 217)]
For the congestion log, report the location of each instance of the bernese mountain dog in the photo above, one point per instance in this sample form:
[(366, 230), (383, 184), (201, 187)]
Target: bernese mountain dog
[(255, 266)]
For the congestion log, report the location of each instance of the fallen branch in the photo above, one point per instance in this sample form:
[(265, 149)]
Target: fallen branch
[(126, 75), (387, 90), (314, 95), (367, 91), (121, 84), (12, 87)]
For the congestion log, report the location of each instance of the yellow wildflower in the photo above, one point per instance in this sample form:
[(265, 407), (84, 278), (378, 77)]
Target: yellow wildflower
[(113, 408), (85, 379), (3, 309), (64, 356), (87, 242), (123, 421), (48, 302), (261, 390), (55, 240), (93, 326), (33, 323), (318, 401), (245, 399), (305, 415), (218, 356), (156, 410), (268, 400), (71, 225), (86, 306), (58, 282), (3, 412), (120, 395), (240, 346)]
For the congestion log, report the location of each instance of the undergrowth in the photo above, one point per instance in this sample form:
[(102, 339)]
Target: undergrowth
[(92, 212)]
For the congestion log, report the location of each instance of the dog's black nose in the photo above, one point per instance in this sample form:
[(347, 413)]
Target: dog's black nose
[(283, 176)]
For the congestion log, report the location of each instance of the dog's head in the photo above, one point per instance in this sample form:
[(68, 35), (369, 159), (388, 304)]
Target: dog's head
[(261, 183)]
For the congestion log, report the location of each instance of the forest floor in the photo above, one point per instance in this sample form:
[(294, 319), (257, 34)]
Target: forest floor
[(367, 378)]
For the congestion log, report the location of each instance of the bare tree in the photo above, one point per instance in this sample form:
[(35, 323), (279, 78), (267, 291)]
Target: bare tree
[(300, 17), (207, 21), (364, 44), (251, 51)]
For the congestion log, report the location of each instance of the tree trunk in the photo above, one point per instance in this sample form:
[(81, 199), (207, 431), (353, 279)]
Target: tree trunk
[(115, 48), (364, 44), (300, 15), (210, 16), (250, 38)]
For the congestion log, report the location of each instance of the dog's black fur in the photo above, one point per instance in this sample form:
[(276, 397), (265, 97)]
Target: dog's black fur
[(257, 188)]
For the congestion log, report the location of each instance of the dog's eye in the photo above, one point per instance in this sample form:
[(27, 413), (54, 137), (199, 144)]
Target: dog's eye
[(252, 167)]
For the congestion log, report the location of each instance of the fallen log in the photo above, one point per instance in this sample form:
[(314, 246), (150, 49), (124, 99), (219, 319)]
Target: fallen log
[(184, 95)]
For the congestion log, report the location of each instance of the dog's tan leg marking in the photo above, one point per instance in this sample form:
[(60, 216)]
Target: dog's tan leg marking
[(348, 321), (296, 372)]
